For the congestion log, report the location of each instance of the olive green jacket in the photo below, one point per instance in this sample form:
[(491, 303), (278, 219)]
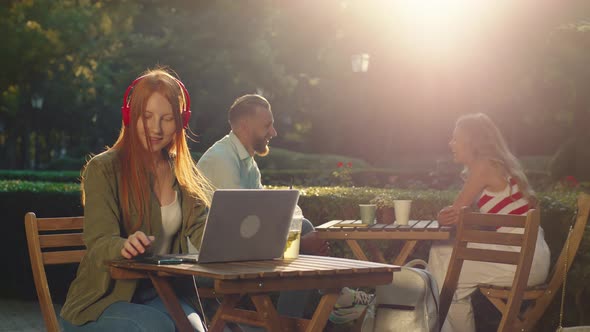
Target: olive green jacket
[(93, 290)]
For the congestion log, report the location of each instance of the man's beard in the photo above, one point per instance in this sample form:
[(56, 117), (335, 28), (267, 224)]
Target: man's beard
[(261, 148)]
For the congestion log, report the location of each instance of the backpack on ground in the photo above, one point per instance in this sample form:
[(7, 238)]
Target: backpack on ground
[(408, 304)]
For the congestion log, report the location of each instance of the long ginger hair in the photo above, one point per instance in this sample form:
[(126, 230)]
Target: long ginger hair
[(138, 165)]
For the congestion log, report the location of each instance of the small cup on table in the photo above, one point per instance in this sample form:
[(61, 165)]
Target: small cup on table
[(367, 212), (402, 211)]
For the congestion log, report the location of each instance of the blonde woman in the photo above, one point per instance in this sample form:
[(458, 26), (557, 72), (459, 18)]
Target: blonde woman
[(495, 183), (145, 187)]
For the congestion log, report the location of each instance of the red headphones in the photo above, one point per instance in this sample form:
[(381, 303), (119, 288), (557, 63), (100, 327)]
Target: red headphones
[(126, 109)]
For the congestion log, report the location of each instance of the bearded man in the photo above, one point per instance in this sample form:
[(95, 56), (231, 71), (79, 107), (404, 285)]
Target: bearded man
[(230, 164)]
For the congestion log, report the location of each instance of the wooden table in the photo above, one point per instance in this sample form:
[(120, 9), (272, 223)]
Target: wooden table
[(256, 279), (353, 230)]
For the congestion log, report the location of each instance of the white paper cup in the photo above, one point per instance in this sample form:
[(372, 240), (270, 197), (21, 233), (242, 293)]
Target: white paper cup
[(402, 211), (368, 213)]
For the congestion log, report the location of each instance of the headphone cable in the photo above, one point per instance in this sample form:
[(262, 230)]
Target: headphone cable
[(204, 322)]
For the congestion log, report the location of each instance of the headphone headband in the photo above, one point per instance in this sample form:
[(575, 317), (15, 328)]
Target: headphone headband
[(126, 108)]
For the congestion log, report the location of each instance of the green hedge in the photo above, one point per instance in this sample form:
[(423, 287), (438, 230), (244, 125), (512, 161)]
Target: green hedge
[(44, 176), (286, 159), (358, 177), (319, 204)]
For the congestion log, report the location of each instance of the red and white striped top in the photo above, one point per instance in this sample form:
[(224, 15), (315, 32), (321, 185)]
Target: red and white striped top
[(508, 201)]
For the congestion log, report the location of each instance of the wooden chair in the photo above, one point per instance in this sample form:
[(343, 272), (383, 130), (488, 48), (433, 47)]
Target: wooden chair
[(52, 241), (542, 295), (481, 228)]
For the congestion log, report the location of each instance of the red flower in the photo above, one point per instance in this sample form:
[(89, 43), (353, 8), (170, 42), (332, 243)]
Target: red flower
[(349, 164), (340, 164), (571, 181)]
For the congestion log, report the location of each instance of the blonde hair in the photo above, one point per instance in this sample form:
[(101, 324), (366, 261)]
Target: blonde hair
[(137, 164), (486, 142)]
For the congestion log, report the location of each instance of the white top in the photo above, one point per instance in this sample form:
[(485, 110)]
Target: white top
[(171, 221)]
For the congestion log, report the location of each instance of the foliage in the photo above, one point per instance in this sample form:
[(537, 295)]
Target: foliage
[(428, 202), (280, 159), (43, 176), (572, 159), (67, 163), (342, 175), (361, 177), (62, 51), (12, 186), (81, 55)]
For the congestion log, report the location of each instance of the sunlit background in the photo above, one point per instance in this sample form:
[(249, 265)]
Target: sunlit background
[(379, 80), (364, 93)]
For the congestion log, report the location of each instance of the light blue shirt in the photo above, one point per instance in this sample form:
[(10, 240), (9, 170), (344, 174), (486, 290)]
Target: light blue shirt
[(228, 165)]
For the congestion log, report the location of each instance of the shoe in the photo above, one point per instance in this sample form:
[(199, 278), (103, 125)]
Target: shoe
[(350, 305), (345, 315), (349, 297)]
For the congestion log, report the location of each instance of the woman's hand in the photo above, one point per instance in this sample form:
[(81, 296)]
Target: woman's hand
[(312, 245), (448, 216), (136, 244)]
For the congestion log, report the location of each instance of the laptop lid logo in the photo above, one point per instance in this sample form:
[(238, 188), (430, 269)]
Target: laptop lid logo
[(250, 226)]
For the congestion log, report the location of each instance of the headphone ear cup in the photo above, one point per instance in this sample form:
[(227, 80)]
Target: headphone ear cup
[(125, 112), (186, 116)]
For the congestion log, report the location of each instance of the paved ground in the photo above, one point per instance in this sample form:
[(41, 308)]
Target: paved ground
[(18, 315), (25, 316)]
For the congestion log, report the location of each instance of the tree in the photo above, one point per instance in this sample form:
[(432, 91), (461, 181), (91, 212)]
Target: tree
[(56, 49), (567, 71)]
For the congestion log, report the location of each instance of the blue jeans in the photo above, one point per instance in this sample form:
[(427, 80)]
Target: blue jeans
[(130, 317)]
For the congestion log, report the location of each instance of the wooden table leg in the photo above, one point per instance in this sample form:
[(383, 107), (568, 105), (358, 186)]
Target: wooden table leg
[(407, 249), (228, 303), (170, 300), (322, 312), (267, 312), (357, 250), (375, 252)]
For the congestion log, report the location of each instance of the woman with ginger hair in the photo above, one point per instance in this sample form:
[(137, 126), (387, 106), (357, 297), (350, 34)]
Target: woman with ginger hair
[(145, 187), (496, 183)]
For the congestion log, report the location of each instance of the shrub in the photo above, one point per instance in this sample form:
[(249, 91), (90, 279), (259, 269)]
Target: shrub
[(319, 205), (42, 176), (364, 177), (285, 159), (572, 158), (67, 164)]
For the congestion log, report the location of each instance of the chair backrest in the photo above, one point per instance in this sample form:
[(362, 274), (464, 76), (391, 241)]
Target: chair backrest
[(52, 241), (575, 238), (481, 228), (556, 275)]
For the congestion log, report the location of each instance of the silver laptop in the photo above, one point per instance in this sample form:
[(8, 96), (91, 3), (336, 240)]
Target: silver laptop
[(242, 225)]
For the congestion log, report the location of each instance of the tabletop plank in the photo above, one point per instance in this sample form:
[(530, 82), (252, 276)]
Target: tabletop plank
[(327, 225), (416, 225), (350, 225), (416, 230), (433, 226), (421, 224), (391, 227), (377, 227), (305, 265)]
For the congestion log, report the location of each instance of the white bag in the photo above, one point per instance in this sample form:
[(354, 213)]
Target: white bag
[(408, 304)]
